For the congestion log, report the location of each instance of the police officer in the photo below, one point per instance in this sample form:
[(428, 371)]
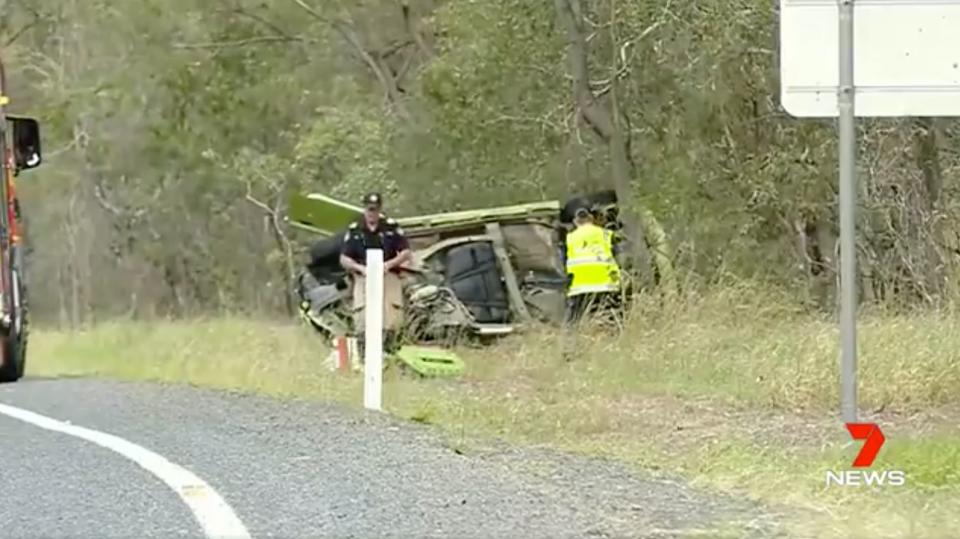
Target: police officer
[(374, 230), (592, 271)]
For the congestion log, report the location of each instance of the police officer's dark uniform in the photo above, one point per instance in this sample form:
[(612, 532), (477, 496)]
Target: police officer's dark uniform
[(386, 235)]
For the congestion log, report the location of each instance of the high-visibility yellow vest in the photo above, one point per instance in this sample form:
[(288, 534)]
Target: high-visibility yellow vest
[(590, 260)]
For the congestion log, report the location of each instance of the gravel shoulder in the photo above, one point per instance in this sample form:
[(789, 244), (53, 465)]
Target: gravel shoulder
[(296, 469)]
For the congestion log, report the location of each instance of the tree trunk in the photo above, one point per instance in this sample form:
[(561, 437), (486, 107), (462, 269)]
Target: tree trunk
[(828, 247), (928, 160), (602, 122)]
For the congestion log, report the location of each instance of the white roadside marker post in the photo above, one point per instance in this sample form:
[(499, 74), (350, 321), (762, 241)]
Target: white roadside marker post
[(373, 332)]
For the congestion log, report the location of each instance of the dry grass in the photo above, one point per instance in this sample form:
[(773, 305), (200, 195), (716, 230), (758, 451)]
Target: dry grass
[(734, 390)]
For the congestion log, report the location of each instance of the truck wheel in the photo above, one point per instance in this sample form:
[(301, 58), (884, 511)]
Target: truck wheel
[(14, 359), (14, 346)]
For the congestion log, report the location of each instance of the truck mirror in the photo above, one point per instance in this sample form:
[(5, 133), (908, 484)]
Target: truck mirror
[(26, 143)]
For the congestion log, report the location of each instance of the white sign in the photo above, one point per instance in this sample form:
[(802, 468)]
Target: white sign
[(906, 57)]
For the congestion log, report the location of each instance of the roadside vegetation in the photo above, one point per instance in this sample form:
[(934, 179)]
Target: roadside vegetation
[(732, 390)]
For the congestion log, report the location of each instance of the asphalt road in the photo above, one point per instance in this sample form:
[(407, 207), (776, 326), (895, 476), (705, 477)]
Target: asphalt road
[(303, 469)]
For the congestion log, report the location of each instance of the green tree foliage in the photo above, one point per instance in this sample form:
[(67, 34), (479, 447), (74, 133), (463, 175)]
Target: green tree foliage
[(174, 131)]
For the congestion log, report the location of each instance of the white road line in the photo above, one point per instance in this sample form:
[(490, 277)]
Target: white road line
[(214, 515)]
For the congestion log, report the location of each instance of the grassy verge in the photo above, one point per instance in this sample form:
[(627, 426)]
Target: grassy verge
[(733, 391)]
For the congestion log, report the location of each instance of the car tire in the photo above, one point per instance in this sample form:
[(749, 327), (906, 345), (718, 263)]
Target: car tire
[(327, 250), (591, 200), (324, 262)]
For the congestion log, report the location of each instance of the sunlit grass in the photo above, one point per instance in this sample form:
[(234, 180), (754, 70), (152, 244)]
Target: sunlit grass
[(734, 390)]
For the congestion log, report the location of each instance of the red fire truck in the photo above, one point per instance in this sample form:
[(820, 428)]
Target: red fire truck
[(20, 143)]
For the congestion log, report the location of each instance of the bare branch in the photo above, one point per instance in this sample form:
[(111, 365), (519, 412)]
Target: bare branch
[(413, 28), (37, 18), (383, 75), (314, 13), (22, 30), (275, 220), (594, 24), (542, 123), (244, 42), (253, 200), (239, 10), (604, 122), (394, 48), (101, 197), (402, 72)]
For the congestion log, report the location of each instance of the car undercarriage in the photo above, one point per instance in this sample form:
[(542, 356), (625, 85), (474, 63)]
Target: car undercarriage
[(475, 274)]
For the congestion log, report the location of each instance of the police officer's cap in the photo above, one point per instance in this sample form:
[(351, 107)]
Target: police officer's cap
[(582, 212), (373, 199)]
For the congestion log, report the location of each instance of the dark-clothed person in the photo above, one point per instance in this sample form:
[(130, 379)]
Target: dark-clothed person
[(374, 230)]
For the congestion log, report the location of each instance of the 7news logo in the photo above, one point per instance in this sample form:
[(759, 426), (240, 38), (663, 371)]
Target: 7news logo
[(873, 441)]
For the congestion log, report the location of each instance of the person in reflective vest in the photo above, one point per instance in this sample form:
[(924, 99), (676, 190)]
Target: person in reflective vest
[(592, 271)]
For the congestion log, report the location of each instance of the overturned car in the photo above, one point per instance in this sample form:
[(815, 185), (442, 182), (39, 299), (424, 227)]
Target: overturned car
[(475, 273)]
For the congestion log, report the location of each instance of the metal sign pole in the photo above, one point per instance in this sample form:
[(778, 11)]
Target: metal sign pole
[(848, 220)]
